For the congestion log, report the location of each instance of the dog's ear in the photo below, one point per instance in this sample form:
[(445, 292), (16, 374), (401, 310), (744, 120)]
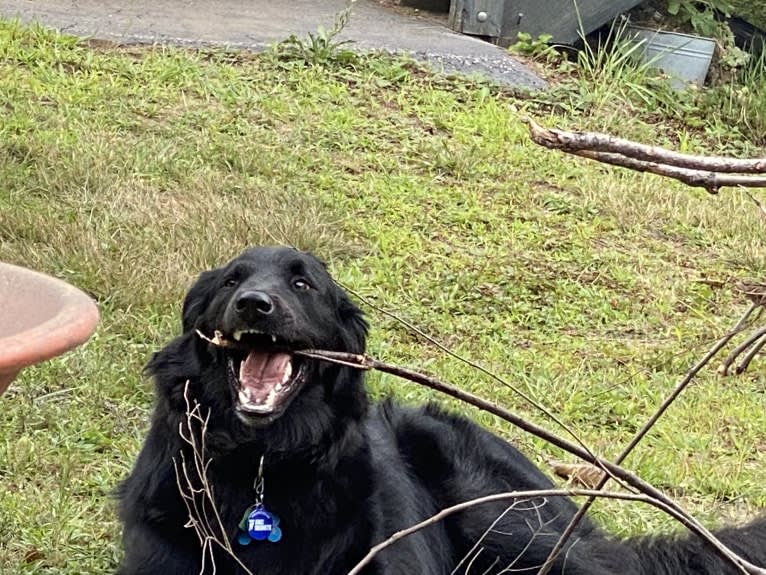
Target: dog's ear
[(178, 361), (198, 298), (354, 325)]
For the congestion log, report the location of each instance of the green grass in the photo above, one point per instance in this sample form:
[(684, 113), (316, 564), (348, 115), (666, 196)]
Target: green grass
[(127, 171)]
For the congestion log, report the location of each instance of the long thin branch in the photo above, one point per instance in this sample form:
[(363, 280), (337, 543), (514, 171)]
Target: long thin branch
[(446, 512), (710, 173), (576, 141), (469, 362), (365, 362), (682, 385)]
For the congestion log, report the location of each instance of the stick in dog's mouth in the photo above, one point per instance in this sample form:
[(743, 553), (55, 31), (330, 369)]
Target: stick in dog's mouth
[(263, 374)]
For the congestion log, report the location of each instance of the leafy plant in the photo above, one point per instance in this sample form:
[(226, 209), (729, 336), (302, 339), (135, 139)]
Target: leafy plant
[(730, 56), (739, 104), (527, 45), (322, 46), (700, 14), (708, 18)]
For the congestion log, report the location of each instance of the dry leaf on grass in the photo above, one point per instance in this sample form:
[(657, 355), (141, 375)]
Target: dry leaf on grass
[(583, 474)]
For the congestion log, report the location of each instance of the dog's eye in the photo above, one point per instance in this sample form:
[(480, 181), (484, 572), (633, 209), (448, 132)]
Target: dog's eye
[(231, 282), (301, 284)]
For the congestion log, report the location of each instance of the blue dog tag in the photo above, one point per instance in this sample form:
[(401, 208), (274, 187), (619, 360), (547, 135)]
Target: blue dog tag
[(259, 524)]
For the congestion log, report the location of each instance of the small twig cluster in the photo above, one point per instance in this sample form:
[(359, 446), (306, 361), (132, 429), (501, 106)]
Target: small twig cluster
[(598, 475), (710, 173), (196, 489)]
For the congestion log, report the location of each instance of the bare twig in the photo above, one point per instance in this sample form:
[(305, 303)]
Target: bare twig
[(753, 338), (365, 362), (745, 363), (523, 495), (710, 173), (196, 489), (755, 292)]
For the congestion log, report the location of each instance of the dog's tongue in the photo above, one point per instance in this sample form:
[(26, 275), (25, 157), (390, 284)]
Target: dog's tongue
[(261, 372)]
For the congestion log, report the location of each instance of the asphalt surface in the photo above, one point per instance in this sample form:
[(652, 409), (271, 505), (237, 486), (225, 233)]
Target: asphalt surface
[(256, 24)]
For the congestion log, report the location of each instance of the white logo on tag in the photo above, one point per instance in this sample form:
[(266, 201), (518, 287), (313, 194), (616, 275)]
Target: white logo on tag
[(258, 525)]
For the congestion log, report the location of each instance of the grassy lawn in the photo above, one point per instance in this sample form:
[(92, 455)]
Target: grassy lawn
[(127, 171)]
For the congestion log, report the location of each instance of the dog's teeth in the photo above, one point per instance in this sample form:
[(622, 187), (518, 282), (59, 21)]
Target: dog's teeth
[(288, 373), (274, 338), (278, 387), (244, 397), (237, 335)]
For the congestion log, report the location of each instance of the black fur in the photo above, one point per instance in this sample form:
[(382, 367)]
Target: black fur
[(344, 475)]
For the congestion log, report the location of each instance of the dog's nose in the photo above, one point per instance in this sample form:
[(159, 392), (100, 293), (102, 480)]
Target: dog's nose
[(254, 302)]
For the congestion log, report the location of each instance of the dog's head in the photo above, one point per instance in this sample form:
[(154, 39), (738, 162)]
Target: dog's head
[(258, 309)]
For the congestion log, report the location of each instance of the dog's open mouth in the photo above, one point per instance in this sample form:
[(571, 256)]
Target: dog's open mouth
[(262, 370)]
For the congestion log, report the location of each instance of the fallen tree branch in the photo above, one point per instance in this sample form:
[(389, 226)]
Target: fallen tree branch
[(365, 362), (710, 181), (710, 173)]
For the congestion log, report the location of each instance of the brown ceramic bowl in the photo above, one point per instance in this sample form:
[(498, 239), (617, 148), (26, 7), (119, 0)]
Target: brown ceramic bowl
[(40, 317)]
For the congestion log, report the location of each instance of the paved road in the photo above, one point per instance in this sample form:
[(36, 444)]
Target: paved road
[(254, 24)]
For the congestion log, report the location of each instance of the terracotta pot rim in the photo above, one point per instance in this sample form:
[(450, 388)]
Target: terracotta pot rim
[(74, 322)]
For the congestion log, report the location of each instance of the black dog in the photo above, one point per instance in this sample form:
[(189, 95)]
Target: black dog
[(340, 474)]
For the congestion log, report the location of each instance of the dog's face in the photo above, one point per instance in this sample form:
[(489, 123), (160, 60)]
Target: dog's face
[(260, 308)]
